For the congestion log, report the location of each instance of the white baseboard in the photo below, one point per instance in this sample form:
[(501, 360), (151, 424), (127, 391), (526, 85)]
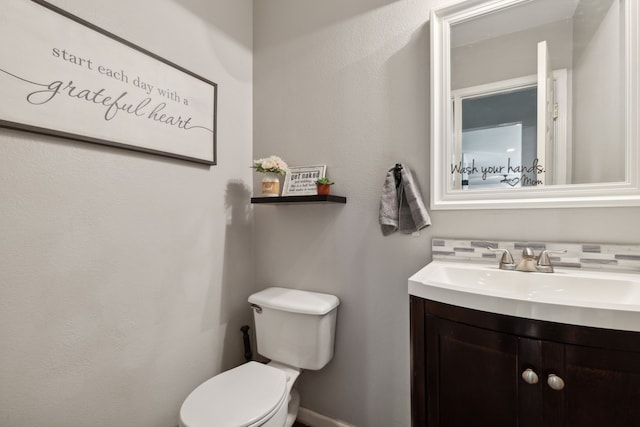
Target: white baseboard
[(314, 419)]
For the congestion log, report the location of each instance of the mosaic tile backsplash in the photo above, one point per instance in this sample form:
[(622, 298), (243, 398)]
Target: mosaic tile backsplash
[(625, 258)]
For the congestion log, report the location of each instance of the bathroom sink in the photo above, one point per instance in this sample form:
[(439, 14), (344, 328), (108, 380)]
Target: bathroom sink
[(587, 298)]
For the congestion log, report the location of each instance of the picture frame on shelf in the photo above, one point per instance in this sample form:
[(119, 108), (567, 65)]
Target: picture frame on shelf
[(301, 180)]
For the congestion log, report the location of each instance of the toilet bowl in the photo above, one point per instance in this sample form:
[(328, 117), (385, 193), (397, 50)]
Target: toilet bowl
[(250, 395), (295, 329)]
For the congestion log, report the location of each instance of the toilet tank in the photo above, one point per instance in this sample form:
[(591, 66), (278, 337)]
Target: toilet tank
[(295, 327)]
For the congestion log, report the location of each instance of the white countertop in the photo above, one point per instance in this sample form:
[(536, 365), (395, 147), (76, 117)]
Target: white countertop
[(587, 298)]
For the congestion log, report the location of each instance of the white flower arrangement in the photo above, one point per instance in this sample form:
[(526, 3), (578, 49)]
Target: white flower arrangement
[(272, 164)]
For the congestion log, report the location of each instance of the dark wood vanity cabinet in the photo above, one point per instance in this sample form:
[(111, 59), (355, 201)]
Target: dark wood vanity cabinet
[(468, 365)]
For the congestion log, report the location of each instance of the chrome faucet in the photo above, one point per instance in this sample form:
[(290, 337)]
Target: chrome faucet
[(542, 264), (528, 262)]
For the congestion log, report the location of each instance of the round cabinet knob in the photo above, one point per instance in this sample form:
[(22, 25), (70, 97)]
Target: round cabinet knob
[(529, 376), (555, 382)]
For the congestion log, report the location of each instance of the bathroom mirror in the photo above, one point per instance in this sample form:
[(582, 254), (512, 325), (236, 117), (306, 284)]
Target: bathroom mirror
[(535, 104)]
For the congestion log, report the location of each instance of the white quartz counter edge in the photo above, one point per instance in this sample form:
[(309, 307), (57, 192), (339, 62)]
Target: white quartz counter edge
[(626, 318)]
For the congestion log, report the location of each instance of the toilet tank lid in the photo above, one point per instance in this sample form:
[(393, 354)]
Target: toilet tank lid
[(295, 301)]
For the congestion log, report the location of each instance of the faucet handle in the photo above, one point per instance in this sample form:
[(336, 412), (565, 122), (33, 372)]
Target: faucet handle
[(544, 262), (506, 261)]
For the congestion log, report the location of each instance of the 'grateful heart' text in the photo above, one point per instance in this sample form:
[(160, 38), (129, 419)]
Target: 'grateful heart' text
[(112, 104)]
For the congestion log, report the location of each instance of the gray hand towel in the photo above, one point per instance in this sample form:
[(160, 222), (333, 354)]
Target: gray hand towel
[(401, 206), (417, 218), (388, 215)]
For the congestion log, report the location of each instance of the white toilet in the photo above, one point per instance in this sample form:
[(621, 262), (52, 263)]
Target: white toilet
[(296, 330)]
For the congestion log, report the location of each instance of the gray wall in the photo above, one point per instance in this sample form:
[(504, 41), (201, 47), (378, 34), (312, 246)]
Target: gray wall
[(346, 84), (124, 276)]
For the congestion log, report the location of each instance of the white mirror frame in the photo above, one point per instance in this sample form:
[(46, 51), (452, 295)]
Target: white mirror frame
[(556, 196)]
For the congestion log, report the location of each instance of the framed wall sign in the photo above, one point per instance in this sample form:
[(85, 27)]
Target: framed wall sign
[(301, 180), (63, 76)]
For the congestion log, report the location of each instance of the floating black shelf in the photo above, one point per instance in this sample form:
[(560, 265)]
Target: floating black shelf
[(300, 199)]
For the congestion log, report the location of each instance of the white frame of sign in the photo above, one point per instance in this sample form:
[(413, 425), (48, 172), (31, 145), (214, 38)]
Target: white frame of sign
[(301, 180)]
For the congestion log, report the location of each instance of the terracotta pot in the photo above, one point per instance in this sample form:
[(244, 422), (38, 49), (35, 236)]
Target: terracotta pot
[(323, 189)]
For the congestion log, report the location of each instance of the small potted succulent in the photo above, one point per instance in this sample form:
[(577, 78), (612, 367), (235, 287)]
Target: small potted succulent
[(324, 186)]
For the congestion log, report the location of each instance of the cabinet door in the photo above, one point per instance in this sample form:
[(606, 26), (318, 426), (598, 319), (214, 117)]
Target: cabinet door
[(602, 387), (472, 376)]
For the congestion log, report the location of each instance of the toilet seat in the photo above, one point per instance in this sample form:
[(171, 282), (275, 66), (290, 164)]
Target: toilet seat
[(245, 396)]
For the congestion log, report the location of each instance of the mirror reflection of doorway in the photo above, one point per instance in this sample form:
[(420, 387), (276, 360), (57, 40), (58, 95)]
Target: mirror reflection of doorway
[(485, 110), (483, 154), (498, 131)]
